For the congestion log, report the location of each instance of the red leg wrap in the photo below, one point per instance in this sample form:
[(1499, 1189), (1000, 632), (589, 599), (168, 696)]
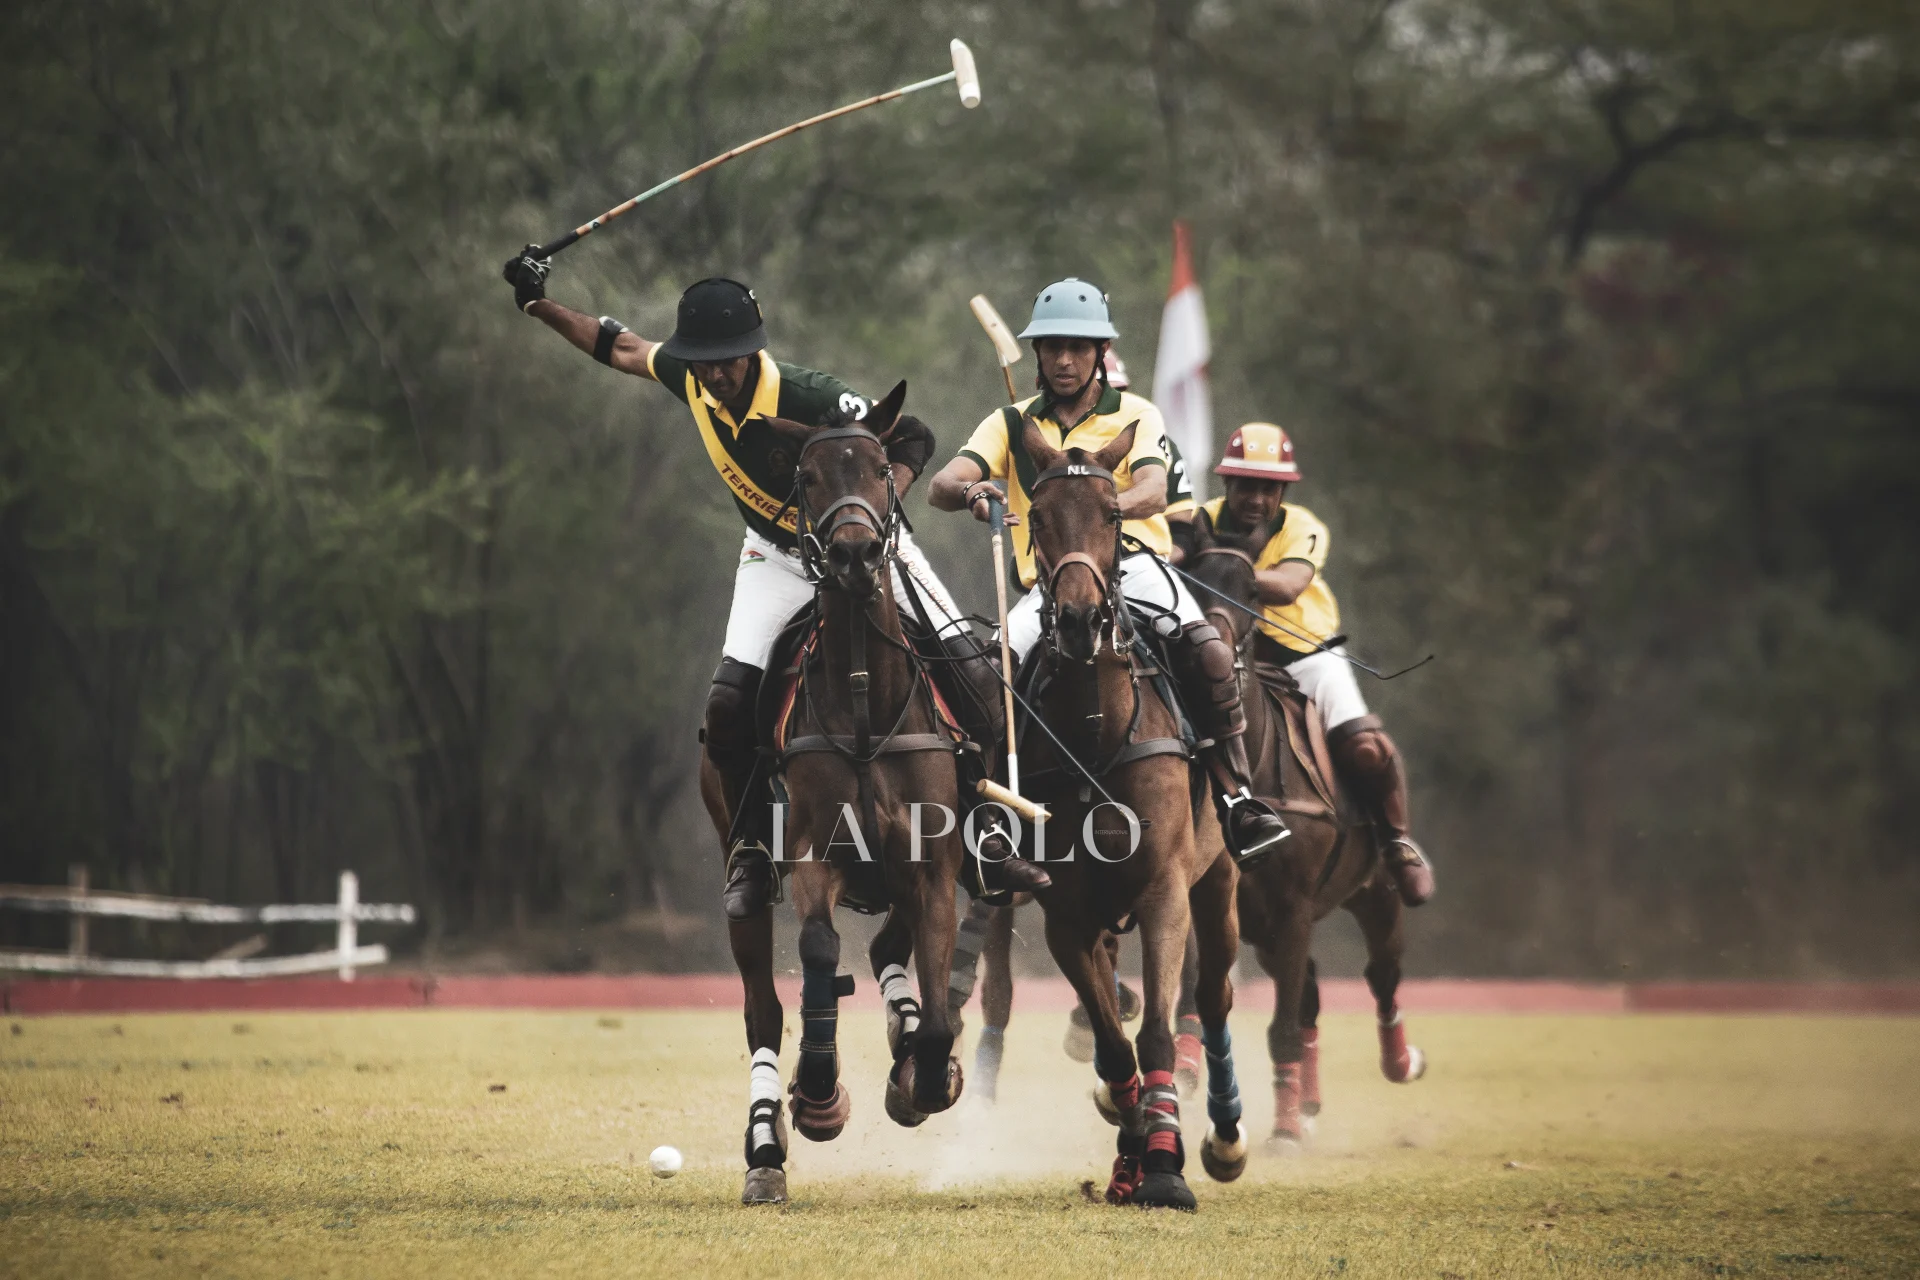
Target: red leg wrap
[(1310, 1071)]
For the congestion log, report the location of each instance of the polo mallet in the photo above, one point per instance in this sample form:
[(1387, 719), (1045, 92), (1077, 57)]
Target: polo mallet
[(1005, 345), (964, 75), (1008, 351)]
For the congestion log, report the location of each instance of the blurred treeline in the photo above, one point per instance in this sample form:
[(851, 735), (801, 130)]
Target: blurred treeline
[(1597, 322)]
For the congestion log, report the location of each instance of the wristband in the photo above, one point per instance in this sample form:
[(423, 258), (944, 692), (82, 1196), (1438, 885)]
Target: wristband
[(610, 329)]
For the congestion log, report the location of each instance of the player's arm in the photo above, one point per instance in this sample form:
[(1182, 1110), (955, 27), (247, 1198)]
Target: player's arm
[(1283, 583), (1147, 495), (967, 481), (602, 337), (909, 447)]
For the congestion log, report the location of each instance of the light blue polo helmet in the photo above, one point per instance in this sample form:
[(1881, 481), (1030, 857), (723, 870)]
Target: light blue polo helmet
[(1071, 308)]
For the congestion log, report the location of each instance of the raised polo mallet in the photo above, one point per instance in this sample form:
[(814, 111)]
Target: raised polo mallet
[(965, 77), (1005, 345), (1008, 350)]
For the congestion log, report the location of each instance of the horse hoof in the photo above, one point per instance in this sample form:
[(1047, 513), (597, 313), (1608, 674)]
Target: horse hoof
[(765, 1186), (1103, 1103), (900, 1108), (1400, 1062), (1165, 1191), (1284, 1145), (1224, 1161), (1129, 1001), (820, 1121), (1079, 1041), (956, 1084), (1187, 1058)]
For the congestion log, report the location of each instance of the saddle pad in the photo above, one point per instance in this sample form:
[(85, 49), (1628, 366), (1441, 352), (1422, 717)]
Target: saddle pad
[(1306, 736)]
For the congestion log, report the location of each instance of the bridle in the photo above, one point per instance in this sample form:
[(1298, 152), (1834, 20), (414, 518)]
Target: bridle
[(1117, 622), (815, 532)]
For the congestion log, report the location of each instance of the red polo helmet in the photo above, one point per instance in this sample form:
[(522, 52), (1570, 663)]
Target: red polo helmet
[(1259, 451)]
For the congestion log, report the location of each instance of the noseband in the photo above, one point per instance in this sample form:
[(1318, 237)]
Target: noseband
[(1047, 579), (816, 531)]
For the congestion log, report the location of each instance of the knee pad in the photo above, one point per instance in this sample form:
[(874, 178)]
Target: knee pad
[(1367, 745), (729, 730)]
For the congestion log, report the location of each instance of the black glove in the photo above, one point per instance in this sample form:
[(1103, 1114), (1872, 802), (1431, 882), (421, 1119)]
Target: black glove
[(528, 276)]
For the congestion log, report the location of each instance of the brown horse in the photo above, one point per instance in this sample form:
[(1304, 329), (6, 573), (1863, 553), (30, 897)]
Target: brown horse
[(1333, 860), (865, 746), (1129, 814)]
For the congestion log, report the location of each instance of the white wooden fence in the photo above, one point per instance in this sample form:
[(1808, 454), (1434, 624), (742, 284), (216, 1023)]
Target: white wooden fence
[(80, 903)]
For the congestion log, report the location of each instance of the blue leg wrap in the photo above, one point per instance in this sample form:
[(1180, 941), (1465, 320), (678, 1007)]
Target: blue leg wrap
[(1223, 1090)]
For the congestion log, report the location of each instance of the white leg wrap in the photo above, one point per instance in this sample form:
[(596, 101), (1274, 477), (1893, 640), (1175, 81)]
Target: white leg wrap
[(895, 988), (764, 1086)]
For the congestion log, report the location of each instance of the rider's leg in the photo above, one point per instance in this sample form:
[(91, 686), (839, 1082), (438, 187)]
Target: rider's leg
[(1210, 687), (1370, 764), (769, 587)]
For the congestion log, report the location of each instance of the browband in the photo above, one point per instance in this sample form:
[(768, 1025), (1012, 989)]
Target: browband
[(1074, 469)]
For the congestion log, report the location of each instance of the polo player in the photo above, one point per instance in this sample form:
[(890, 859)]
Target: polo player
[(1300, 631), (717, 365), (1077, 407)]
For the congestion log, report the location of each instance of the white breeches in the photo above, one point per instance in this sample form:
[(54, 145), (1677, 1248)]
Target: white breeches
[(1144, 577), (1328, 679), (769, 587)]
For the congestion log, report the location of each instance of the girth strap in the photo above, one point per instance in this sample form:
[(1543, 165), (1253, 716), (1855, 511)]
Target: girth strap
[(843, 743)]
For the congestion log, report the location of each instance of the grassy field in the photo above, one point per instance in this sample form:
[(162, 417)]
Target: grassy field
[(437, 1143)]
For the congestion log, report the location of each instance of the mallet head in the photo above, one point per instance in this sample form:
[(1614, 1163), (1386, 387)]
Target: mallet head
[(966, 76)]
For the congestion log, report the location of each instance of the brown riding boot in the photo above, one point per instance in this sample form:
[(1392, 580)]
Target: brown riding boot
[(1210, 687), (1370, 764)]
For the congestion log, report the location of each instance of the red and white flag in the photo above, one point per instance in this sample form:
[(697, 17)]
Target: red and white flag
[(1180, 368)]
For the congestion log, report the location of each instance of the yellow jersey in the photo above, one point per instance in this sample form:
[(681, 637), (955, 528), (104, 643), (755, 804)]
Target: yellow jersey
[(1314, 616), (995, 446)]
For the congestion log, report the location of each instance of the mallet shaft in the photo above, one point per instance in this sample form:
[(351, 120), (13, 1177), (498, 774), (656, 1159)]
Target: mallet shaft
[(588, 228), (999, 517)]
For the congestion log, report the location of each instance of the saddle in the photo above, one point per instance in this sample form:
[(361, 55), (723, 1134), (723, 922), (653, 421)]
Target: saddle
[(1317, 794)]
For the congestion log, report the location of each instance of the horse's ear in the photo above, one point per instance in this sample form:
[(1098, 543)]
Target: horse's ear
[(881, 418), (1110, 458), (1202, 529), (1045, 456)]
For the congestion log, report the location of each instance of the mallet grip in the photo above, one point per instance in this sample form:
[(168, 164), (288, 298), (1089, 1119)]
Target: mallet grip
[(991, 790)]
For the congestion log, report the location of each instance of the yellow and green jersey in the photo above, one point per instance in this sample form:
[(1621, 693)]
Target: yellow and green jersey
[(754, 462), (996, 447), (1295, 534)]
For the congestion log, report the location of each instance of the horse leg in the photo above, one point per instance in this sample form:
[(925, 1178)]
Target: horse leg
[(1213, 944), (1284, 956), (1310, 1047), (935, 1081), (889, 953), (996, 1003), (1164, 921), (818, 1100), (752, 944), (1187, 1050), (1076, 947), (1079, 1042), (968, 945), (1378, 911)]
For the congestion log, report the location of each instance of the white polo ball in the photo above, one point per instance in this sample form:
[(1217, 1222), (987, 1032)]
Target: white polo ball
[(665, 1161)]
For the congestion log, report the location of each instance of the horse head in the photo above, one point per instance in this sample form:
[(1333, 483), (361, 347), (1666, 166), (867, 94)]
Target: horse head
[(1074, 522), (1225, 564), (843, 488)]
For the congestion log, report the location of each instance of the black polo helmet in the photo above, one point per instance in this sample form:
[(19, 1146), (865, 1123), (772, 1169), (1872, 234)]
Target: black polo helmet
[(719, 320)]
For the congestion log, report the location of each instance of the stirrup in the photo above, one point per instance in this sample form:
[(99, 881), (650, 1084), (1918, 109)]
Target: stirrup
[(1254, 807), (747, 849)]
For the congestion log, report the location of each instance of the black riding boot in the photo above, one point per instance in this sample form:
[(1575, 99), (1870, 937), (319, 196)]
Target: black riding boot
[(731, 744), (973, 692), (1203, 666)]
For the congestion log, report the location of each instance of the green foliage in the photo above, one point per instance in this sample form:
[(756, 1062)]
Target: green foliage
[(1594, 323)]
